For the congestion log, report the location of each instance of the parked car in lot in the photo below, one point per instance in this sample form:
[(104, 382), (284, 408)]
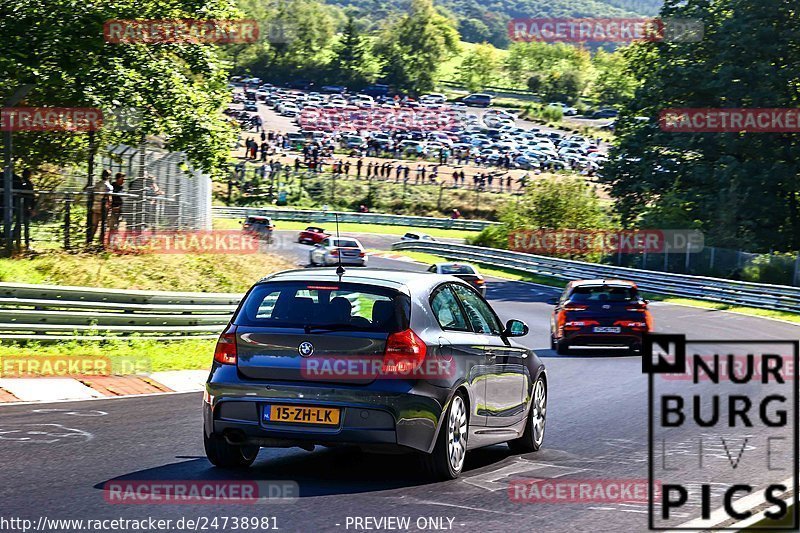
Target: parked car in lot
[(336, 250), (441, 375), (565, 109), (465, 271), (599, 313), (414, 236), (478, 100), (605, 113), (312, 235), (259, 226), (251, 106)]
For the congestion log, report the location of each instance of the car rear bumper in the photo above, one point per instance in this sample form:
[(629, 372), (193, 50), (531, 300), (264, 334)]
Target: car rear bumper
[(393, 413), (588, 338)]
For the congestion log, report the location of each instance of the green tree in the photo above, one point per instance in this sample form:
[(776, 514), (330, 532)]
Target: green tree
[(179, 88), (479, 68), (741, 188), (555, 203), (353, 62), (415, 46)]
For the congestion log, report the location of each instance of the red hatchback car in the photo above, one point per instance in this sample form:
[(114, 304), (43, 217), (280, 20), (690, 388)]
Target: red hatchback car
[(312, 235), (599, 313)]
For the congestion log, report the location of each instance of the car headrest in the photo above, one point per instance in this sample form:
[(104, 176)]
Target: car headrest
[(341, 309), (382, 312), (301, 309)]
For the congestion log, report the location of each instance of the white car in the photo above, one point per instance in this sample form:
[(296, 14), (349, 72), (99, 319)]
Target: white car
[(565, 109), (338, 250), (413, 236), (433, 98)]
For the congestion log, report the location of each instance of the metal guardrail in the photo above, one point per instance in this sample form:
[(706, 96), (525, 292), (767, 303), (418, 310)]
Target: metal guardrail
[(57, 313), (50, 312), (779, 297), (314, 216)]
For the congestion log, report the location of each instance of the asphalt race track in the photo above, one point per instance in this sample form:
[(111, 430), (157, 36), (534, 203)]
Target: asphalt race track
[(57, 457)]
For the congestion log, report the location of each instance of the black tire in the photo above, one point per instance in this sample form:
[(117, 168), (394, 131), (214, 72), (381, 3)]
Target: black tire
[(562, 348), (438, 462), (552, 343), (225, 455), (531, 440)]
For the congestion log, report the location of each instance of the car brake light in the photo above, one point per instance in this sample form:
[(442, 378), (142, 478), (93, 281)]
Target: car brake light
[(225, 351), (573, 307), (630, 324), (334, 252), (479, 282), (581, 323), (404, 353), (361, 254)]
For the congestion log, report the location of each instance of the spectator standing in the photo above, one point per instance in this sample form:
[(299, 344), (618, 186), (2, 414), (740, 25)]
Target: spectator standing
[(100, 201), (118, 188)]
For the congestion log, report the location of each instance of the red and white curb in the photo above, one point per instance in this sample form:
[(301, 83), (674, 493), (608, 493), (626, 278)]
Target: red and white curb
[(51, 389)]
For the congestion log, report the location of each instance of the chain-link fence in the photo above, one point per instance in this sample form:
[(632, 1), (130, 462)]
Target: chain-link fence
[(159, 191)]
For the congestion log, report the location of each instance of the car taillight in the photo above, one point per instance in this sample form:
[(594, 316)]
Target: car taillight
[(630, 323), (404, 353), (479, 282), (573, 307), (225, 351), (334, 252), (361, 254), (578, 324)]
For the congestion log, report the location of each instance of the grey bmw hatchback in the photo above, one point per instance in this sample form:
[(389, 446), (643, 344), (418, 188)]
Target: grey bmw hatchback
[(375, 358)]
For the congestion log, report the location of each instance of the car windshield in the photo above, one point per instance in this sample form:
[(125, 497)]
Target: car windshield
[(604, 293), (324, 305), (457, 269)]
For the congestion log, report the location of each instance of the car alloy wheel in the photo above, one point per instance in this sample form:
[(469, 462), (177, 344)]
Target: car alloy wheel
[(539, 412), (457, 434)]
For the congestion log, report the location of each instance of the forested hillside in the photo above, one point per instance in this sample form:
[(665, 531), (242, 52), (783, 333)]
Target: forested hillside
[(480, 21)]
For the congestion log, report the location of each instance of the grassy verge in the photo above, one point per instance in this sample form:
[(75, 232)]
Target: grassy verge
[(353, 227), (135, 356), (516, 275), (174, 272)]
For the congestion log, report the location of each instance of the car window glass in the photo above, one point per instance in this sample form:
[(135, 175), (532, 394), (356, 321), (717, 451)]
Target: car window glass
[(302, 304), (604, 293), (479, 314), (447, 311)]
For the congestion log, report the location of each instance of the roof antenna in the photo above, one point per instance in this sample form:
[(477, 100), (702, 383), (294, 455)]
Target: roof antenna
[(340, 269)]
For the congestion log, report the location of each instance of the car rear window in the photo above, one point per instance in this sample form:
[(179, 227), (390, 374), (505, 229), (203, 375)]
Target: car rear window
[(604, 293), (457, 269), (346, 243), (312, 304)]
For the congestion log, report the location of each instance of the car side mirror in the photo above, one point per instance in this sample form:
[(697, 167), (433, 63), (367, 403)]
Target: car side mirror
[(553, 301), (516, 328)]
